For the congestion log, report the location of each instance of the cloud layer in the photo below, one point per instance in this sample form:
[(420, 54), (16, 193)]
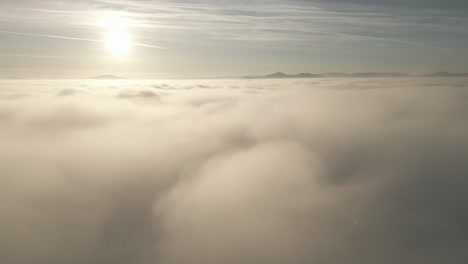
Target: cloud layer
[(234, 171)]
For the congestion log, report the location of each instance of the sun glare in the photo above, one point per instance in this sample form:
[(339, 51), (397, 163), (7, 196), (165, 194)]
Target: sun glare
[(115, 21), (117, 38), (118, 43)]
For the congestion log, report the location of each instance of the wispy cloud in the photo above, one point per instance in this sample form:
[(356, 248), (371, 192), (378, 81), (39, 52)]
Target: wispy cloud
[(71, 38), (269, 30), (47, 36), (265, 20), (30, 56), (280, 20)]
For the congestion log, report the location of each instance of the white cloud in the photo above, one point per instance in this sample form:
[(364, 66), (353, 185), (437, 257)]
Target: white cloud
[(325, 171)]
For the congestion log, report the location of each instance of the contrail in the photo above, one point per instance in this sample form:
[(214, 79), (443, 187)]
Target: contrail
[(48, 36), (148, 46), (72, 38), (30, 56)]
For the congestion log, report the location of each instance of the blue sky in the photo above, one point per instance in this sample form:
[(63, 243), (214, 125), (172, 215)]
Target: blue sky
[(228, 38)]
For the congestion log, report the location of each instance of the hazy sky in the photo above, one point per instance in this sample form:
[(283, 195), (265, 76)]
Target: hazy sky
[(189, 38)]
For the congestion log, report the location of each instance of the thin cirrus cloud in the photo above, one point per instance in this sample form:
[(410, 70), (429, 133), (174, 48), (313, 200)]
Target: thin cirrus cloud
[(280, 20), (265, 20), (299, 34), (30, 55), (71, 38)]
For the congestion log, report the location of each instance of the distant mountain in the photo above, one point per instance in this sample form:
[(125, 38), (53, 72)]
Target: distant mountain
[(107, 77), (278, 75), (447, 74), (379, 74), (281, 75)]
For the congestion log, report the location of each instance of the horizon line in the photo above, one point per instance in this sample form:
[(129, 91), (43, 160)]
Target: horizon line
[(264, 76)]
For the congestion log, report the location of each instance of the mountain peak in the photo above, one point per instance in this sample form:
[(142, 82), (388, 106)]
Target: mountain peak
[(107, 77), (277, 75)]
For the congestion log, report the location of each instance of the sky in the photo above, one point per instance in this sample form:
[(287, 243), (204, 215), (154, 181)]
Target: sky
[(187, 38)]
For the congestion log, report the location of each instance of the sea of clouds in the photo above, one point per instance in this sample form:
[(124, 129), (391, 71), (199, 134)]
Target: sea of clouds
[(302, 171)]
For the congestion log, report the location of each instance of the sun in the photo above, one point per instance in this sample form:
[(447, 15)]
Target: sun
[(118, 44), (117, 26)]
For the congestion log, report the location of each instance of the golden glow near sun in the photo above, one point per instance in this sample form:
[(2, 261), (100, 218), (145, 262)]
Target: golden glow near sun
[(115, 21), (118, 43), (118, 40)]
